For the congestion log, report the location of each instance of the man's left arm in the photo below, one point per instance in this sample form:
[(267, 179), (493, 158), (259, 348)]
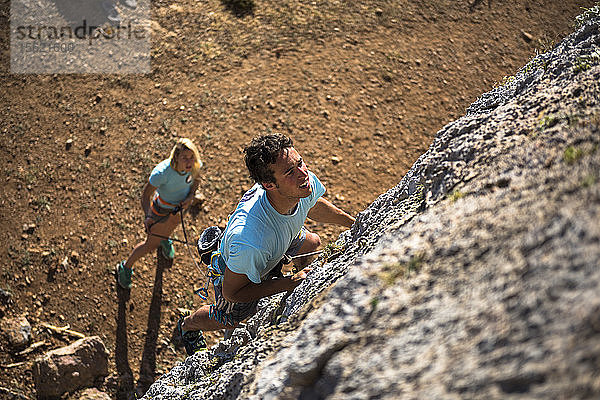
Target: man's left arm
[(324, 211)]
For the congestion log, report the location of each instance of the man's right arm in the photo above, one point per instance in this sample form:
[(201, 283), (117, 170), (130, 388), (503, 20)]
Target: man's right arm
[(238, 288)]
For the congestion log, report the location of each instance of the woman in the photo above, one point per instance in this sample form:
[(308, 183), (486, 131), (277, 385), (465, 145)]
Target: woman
[(172, 184)]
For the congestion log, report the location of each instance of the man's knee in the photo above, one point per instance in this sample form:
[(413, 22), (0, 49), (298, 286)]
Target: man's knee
[(313, 241)]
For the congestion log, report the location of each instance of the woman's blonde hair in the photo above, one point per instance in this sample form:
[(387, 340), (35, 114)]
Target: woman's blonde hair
[(183, 144)]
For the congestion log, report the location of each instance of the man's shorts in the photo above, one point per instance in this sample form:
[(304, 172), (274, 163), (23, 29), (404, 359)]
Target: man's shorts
[(297, 243), (230, 313)]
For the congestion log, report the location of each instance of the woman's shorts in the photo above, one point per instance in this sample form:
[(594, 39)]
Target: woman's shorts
[(157, 210)]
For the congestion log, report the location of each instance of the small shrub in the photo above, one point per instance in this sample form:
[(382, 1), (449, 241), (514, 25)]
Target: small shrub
[(588, 181), (31, 177), (25, 259), (546, 44), (572, 154), (41, 203), (548, 122), (457, 194), (374, 303), (588, 14), (391, 272), (331, 251), (586, 62)]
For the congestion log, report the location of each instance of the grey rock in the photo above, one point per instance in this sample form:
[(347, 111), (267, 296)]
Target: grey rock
[(475, 277)]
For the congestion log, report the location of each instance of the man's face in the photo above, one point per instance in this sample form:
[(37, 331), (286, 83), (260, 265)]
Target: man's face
[(291, 175)]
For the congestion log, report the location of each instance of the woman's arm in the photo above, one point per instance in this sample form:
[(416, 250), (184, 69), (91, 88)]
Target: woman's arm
[(185, 204), (147, 194)]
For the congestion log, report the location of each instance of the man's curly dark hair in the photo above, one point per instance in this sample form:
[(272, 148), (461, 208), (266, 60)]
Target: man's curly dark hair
[(263, 151)]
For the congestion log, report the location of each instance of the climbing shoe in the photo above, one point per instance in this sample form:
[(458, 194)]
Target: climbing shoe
[(124, 275), (167, 249), (193, 341)]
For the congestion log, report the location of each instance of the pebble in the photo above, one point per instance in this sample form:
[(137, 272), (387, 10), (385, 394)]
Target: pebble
[(29, 228), (527, 36)]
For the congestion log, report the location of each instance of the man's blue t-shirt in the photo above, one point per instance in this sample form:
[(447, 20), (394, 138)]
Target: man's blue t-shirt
[(171, 186), (257, 236)]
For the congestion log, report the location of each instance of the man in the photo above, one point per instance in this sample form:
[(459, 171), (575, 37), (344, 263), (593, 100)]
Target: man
[(267, 223)]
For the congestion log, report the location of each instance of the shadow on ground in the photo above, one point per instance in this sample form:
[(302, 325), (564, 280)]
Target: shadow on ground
[(126, 388)]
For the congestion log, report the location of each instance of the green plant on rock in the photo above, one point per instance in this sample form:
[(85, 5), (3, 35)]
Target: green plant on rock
[(456, 195), (584, 63), (551, 120), (505, 81), (374, 302), (391, 272), (589, 180), (572, 154), (331, 251), (588, 14)]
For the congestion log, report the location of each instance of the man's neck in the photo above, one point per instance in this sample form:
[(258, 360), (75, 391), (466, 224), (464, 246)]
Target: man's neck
[(283, 205)]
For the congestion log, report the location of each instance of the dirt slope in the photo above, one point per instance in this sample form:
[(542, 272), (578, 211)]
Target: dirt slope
[(362, 89)]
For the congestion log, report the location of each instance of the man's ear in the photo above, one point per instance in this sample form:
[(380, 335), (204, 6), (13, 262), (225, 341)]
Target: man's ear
[(268, 185)]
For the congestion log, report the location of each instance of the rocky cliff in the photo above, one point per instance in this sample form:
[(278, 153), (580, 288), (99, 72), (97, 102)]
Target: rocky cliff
[(477, 276)]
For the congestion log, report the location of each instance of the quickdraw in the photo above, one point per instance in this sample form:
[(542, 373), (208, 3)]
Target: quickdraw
[(214, 275)]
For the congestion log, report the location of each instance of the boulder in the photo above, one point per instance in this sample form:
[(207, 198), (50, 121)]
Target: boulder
[(17, 331), (70, 368)]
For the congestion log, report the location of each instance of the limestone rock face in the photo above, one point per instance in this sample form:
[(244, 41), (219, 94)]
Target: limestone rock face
[(477, 276), (69, 368)]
